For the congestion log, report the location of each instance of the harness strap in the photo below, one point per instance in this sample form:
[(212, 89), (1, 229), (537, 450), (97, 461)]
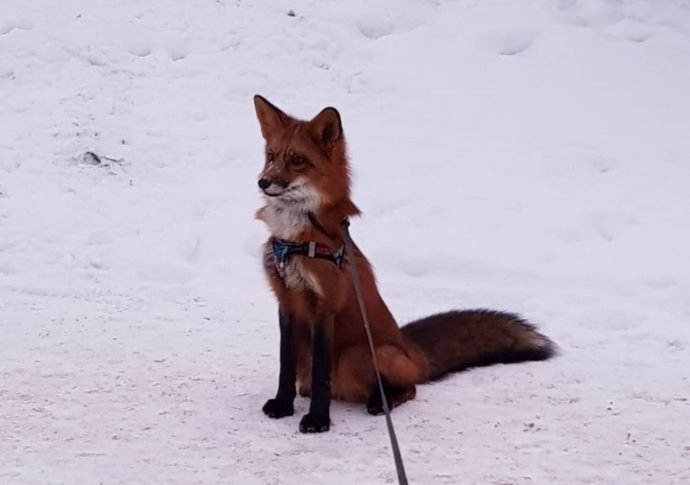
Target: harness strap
[(283, 250)]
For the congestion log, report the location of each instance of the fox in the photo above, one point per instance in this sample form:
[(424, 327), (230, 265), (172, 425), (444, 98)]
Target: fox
[(305, 186)]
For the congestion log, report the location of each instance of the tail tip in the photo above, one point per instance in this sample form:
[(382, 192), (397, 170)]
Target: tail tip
[(543, 347)]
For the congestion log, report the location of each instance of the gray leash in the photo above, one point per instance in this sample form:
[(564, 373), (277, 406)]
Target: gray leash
[(350, 253)]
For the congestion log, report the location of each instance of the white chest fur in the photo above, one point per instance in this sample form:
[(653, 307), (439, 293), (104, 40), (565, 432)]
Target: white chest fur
[(284, 222)]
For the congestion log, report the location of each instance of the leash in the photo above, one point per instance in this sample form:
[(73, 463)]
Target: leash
[(350, 253)]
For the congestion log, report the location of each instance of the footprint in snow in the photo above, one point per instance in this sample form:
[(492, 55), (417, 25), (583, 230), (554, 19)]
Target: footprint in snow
[(140, 49), (633, 30), (178, 49), (7, 26), (177, 54), (375, 28), (510, 42)]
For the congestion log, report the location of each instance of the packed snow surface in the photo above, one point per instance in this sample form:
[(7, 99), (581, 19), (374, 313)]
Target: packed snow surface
[(523, 155)]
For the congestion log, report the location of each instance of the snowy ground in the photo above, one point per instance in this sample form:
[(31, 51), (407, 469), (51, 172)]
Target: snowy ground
[(525, 155)]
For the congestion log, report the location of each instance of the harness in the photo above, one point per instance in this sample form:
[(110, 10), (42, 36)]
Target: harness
[(283, 250)]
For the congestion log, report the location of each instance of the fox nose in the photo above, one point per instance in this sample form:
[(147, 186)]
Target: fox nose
[(264, 183)]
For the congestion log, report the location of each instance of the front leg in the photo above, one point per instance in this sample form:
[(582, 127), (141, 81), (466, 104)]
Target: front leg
[(283, 404), (318, 419)]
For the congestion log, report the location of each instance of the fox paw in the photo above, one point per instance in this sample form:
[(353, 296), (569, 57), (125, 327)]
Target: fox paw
[(375, 405), (275, 408), (395, 396), (312, 423)]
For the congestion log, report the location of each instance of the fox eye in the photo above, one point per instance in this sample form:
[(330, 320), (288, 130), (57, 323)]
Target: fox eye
[(269, 157), (297, 161)]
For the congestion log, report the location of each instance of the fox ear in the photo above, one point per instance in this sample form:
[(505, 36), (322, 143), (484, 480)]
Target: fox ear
[(327, 127), (270, 118)]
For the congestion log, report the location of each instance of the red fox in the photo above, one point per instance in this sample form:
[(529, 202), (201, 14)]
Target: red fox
[(305, 183)]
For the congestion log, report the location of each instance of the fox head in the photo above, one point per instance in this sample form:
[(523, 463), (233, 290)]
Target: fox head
[(305, 166)]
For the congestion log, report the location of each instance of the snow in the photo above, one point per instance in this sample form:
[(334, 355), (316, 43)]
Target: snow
[(527, 155)]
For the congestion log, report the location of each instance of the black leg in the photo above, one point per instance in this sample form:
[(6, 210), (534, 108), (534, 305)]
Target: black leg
[(394, 396), (319, 419), (282, 405)]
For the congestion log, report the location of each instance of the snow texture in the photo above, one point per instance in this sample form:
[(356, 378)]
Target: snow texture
[(525, 155)]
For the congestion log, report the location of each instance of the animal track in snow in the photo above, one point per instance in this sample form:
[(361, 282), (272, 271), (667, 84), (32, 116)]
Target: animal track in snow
[(7, 26), (140, 48), (509, 42), (375, 28), (516, 42), (633, 31), (178, 49), (178, 54)]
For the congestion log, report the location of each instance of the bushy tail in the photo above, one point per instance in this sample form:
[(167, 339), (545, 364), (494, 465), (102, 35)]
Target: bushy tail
[(456, 340)]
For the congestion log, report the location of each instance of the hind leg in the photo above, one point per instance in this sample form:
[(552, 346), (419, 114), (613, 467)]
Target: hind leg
[(354, 377), (399, 374), (397, 367)]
